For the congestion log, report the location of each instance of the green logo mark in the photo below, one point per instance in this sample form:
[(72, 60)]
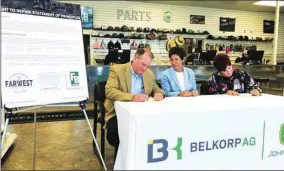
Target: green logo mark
[(178, 150), (168, 17), (74, 78), (281, 134)]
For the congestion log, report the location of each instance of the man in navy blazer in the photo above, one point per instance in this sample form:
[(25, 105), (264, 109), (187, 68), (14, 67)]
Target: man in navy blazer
[(178, 80)]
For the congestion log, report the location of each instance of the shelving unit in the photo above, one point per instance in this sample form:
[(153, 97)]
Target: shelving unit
[(267, 46), (158, 47)]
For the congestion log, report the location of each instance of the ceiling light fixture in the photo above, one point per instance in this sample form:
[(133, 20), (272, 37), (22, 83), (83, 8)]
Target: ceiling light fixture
[(269, 3)]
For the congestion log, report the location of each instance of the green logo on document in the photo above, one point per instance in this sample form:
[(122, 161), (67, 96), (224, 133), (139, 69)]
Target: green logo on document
[(281, 134), (74, 78)]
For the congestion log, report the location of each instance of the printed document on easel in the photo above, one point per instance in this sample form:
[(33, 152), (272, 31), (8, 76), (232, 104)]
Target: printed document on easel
[(43, 58)]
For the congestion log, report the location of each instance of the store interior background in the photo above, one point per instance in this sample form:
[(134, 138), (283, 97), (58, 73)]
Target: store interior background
[(67, 144), (248, 23)]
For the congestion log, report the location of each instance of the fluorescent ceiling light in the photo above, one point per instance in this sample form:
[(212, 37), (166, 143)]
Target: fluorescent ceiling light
[(269, 3)]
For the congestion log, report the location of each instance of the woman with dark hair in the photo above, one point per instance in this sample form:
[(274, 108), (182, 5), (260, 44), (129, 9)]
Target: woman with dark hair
[(178, 80), (230, 80)]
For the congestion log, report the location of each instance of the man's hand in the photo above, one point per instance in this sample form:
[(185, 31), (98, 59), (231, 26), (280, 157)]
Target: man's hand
[(185, 94), (255, 92), (194, 93), (140, 98), (233, 93), (158, 96)]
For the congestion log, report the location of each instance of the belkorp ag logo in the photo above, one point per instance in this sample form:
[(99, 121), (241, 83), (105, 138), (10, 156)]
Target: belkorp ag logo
[(163, 150), (199, 146)]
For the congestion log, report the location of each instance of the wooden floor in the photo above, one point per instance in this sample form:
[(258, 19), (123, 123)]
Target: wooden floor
[(62, 145)]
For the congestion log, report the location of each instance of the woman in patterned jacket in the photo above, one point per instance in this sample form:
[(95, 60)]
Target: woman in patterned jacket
[(228, 80)]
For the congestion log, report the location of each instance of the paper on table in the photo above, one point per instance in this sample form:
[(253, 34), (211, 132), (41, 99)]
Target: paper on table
[(150, 99)]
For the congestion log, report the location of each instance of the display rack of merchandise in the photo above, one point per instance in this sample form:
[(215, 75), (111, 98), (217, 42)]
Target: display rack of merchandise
[(132, 41), (159, 40)]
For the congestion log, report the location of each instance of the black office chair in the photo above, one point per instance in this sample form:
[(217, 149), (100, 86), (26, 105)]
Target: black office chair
[(99, 98), (158, 82), (204, 87)]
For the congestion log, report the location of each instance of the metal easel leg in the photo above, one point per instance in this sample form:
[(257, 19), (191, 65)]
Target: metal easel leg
[(83, 106), (34, 156), (8, 115)]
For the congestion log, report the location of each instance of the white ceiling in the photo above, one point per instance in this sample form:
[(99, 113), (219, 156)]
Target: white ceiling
[(222, 4)]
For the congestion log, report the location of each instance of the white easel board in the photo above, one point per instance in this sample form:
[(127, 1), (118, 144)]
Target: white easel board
[(43, 58)]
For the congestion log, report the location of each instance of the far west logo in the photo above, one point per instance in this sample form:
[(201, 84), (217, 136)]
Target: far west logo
[(163, 150), (74, 78), (198, 146), (275, 153), (19, 83)]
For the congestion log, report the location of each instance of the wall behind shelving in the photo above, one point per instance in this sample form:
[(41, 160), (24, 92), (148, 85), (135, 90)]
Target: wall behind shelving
[(247, 23)]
